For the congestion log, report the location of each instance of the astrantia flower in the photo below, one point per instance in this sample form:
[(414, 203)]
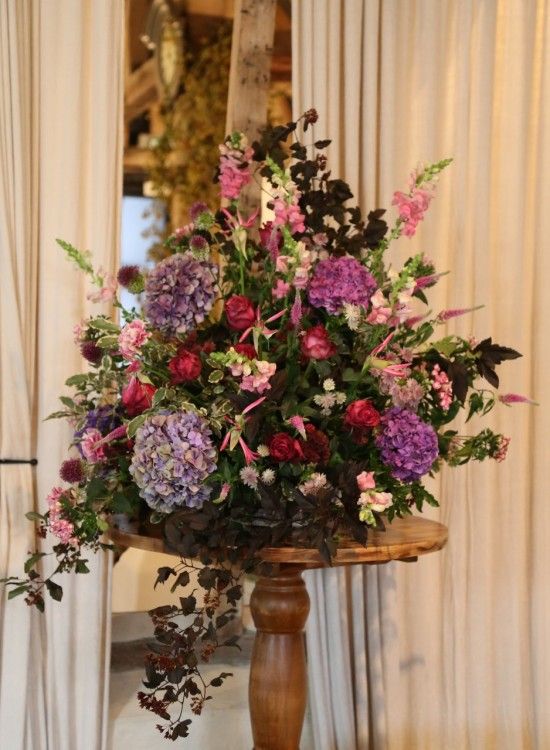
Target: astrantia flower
[(315, 482), (173, 456), (262, 450), (329, 384), (268, 476), (249, 476), (179, 293), (337, 281), (407, 444)]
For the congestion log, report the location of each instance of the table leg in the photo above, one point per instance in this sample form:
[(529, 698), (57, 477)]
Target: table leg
[(278, 680)]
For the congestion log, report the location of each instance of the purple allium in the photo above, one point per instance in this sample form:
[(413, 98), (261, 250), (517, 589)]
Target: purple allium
[(72, 471), (339, 280), (179, 293), (127, 274), (198, 208), (406, 444), (91, 351), (173, 456)]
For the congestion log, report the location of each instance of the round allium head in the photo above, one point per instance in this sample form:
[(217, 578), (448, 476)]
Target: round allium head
[(127, 274), (91, 351), (173, 456), (179, 293), (72, 471), (337, 281), (407, 444)]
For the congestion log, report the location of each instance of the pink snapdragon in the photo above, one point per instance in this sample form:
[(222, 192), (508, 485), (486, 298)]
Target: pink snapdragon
[(258, 380), (234, 166), (107, 291), (281, 289), (289, 213), (412, 207), (381, 310), (59, 526), (131, 338), (298, 423), (93, 446), (365, 481), (296, 310), (442, 386)]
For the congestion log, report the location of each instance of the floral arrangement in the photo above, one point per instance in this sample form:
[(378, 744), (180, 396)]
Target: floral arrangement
[(281, 384)]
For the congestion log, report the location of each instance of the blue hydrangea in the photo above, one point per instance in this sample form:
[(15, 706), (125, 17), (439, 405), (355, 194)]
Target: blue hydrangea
[(179, 293), (173, 456)]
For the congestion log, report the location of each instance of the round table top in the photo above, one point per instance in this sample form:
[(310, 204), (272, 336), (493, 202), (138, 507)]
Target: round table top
[(403, 539)]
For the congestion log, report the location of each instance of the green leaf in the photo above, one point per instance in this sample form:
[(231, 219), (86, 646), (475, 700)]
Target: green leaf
[(102, 524), (107, 342), (159, 396), (102, 324), (32, 560), (81, 566), (445, 346), (17, 591), (215, 376), (54, 590), (96, 488), (106, 362), (76, 380), (135, 424), (349, 375), (68, 402), (32, 515)]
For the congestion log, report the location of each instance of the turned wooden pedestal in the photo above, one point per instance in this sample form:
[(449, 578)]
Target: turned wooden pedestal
[(280, 606)]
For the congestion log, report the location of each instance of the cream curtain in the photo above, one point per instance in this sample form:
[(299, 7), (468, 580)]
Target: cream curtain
[(60, 176), (451, 652)]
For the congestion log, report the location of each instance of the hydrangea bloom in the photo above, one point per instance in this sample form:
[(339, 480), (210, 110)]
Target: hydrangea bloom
[(173, 456), (340, 281), (179, 293), (407, 444)]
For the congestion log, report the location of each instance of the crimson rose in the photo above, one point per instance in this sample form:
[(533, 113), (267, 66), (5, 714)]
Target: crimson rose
[(184, 366), (316, 448), (361, 415), (137, 397), (282, 447), (239, 312), (316, 343)]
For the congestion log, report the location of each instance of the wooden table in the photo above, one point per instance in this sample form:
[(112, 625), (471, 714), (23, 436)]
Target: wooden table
[(280, 606)]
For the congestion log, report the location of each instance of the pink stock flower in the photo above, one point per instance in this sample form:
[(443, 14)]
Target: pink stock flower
[(107, 291), (281, 289), (132, 337), (412, 208), (515, 398), (281, 263), (258, 382), (365, 481), (92, 445)]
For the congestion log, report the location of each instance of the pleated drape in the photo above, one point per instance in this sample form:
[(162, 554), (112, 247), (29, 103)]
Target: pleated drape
[(451, 652), (60, 176)]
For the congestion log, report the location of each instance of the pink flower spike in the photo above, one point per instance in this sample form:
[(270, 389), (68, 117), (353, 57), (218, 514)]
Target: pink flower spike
[(411, 322), (515, 398), (296, 310), (254, 404), (423, 281), (249, 455), (396, 370), (298, 423), (115, 434), (377, 349), (455, 313)]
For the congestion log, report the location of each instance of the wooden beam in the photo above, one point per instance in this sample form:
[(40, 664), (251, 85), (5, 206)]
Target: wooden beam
[(141, 90)]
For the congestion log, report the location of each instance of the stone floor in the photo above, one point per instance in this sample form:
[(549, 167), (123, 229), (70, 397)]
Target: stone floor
[(224, 723)]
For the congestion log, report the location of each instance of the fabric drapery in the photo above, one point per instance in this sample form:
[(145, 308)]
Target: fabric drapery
[(60, 176), (451, 652)]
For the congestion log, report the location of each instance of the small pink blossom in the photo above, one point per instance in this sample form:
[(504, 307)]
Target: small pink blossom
[(298, 423), (281, 289), (515, 398), (381, 311), (258, 381), (281, 264), (502, 449), (107, 291), (60, 527), (78, 332), (93, 446), (380, 501), (296, 310), (301, 278), (443, 387), (412, 208), (289, 213), (132, 337), (365, 481)]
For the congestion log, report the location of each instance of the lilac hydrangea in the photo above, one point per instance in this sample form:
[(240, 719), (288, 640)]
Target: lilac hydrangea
[(407, 444), (337, 281), (173, 456), (180, 292)]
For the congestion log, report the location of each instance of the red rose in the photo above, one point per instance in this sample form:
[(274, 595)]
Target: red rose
[(137, 396), (282, 447), (184, 366), (361, 415), (247, 350), (316, 343), (239, 312), (316, 448)]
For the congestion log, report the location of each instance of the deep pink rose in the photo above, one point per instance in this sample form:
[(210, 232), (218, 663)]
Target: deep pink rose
[(239, 312), (184, 366), (316, 343), (361, 415), (247, 350), (284, 448), (137, 397)]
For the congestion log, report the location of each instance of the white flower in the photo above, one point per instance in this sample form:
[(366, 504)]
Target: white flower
[(249, 476), (340, 398), (352, 314), (262, 450), (326, 401), (329, 384), (268, 476), (314, 483)]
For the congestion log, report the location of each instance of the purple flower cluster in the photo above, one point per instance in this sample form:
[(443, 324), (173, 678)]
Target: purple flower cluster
[(173, 455), (102, 418), (339, 280), (407, 444), (179, 293)]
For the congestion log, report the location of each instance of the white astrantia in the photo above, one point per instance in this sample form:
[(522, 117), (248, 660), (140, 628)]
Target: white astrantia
[(249, 476), (268, 476), (352, 314), (326, 401), (313, 483), (262, 450), (329, 384), (340, 397)]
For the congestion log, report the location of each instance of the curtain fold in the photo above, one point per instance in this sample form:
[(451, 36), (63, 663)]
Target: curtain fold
[(452, 651), (61, 99)]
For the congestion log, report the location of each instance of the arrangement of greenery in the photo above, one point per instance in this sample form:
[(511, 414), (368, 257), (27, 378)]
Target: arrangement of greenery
[(289, 394)]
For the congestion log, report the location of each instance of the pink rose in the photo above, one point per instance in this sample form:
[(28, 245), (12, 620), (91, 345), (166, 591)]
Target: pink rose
[(132, 337), (137, 397), (239, 312), (184, 366), (316, 343), (365, 481)]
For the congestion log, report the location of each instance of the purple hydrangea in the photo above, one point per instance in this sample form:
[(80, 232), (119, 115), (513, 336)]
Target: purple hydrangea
[(180, 292), (173, 456), (407, 444), (339, 280)]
